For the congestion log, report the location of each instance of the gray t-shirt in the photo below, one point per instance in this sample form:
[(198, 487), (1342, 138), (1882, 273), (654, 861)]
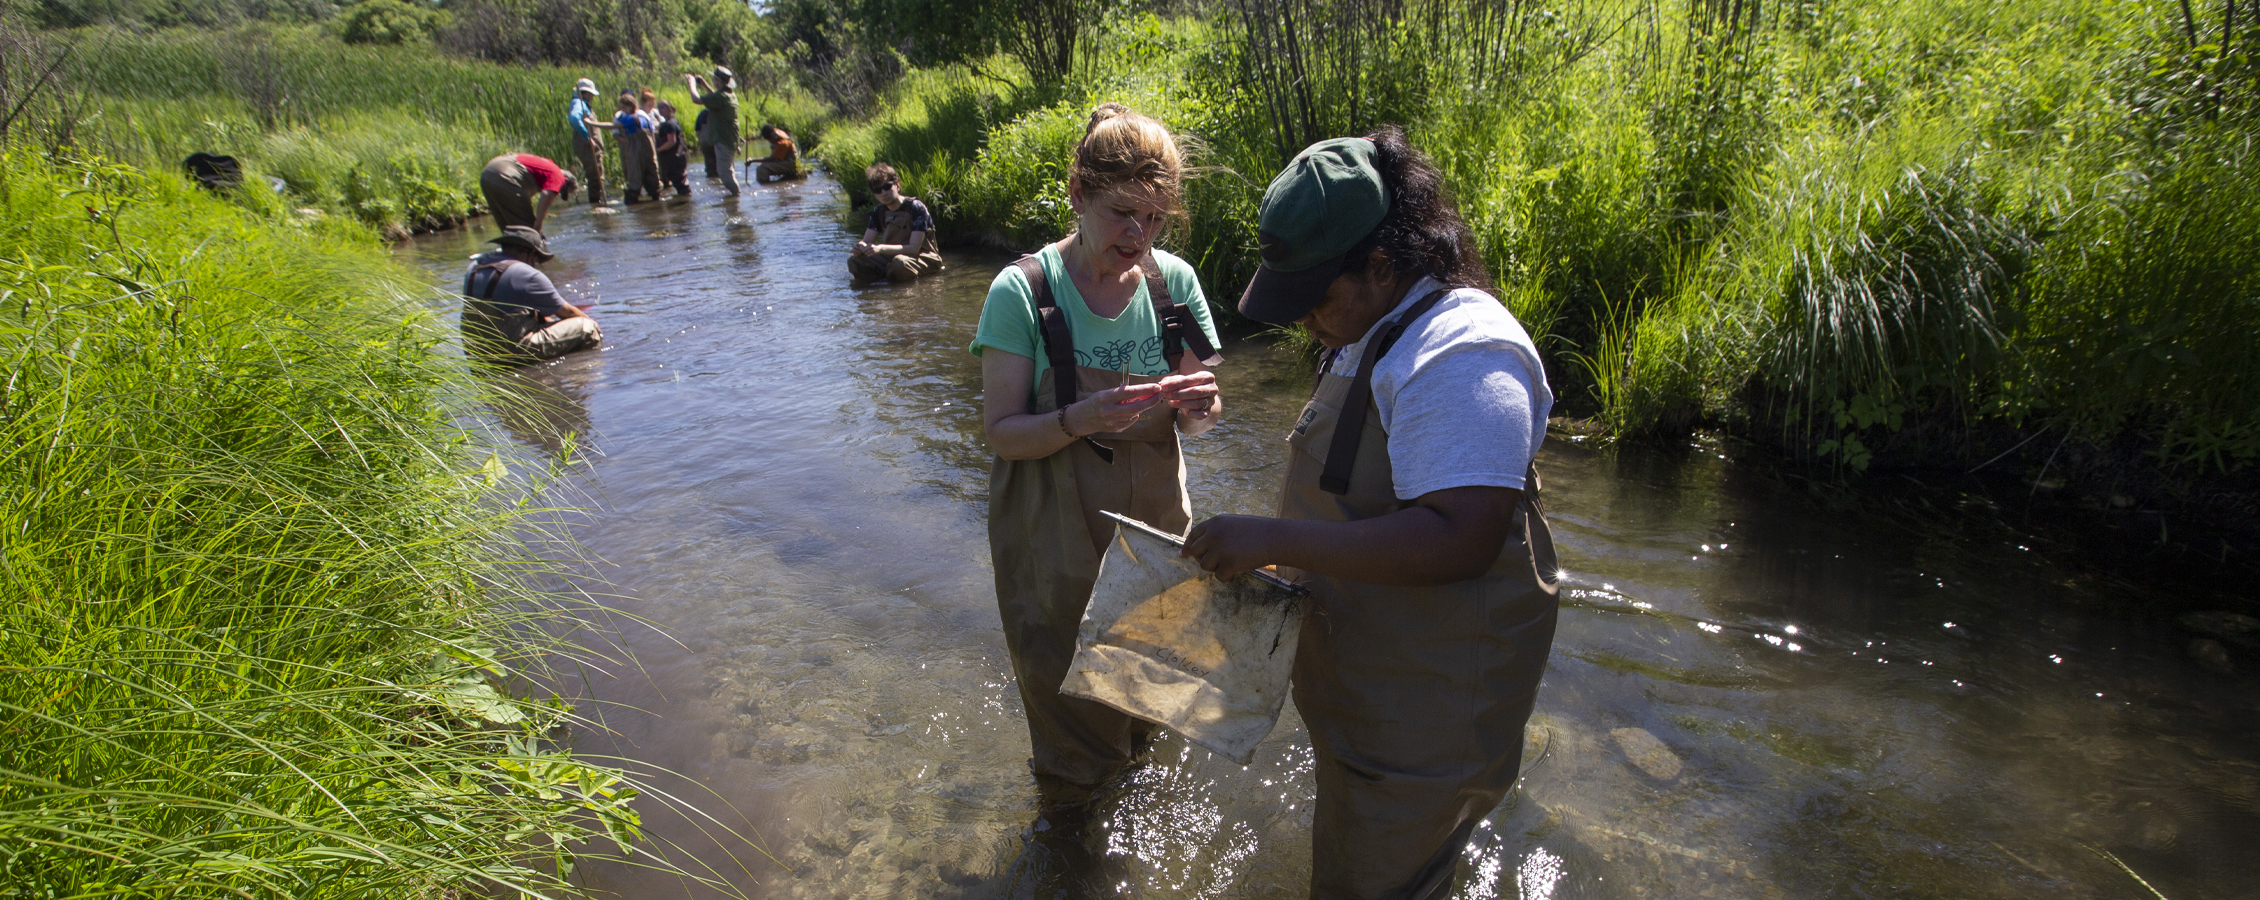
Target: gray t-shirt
[(521, 298), (1462, 395)]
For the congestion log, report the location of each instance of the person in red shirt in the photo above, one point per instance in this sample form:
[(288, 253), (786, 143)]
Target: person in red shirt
[(520, 186)]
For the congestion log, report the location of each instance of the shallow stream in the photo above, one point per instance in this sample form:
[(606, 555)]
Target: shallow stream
[(1752, 694)]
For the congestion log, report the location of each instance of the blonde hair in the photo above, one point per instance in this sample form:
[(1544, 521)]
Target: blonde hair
[(1122, 148)]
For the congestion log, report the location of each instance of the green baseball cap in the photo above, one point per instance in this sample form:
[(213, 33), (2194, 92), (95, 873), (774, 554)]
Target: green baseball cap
[(1321, 207)]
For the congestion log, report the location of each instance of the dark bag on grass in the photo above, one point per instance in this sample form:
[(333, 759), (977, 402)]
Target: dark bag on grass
[(214, 171)]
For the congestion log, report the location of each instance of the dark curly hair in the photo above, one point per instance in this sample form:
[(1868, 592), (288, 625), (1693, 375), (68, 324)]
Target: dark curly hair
[(1422, 233)]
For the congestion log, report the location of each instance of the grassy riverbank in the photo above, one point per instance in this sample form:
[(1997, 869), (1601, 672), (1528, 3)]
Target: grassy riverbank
[(261, 617), (1871, 235), (392, 135)]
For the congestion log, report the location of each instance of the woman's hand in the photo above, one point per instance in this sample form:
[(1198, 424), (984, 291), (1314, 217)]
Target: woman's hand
[(1192, 390), (1194, 393), (1229, 546), (1113, 409)]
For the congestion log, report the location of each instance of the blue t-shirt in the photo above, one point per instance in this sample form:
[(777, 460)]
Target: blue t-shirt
[(580, 114), (522, 288), (631, 124)]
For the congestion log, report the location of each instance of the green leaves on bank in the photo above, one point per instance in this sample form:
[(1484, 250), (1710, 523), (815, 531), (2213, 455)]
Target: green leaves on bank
[(264, 629)]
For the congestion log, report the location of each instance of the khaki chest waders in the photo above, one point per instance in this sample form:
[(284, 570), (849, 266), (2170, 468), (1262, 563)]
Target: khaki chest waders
[(898, 231), (1415, 697), (1048, 529)]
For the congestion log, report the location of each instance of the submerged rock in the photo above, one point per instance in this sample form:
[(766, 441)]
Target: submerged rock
[(2234, 629), (2211, 656), (1647, 753)]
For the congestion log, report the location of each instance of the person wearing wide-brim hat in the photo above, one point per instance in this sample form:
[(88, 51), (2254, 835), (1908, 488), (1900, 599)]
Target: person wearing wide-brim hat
[(587, 145), (1410, 509), (510, 308), (721, 122)]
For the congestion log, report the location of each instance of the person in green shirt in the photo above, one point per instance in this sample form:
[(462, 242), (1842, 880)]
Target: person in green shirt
[(1095, 355), (721, 104)]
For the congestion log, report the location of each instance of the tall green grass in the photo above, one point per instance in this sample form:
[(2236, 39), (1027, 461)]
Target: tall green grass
[(263, 632), (991, 157), (1863, 232)]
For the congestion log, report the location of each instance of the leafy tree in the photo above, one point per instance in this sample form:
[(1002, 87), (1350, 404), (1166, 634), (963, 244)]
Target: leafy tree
[(388, 22), (1042, 34)]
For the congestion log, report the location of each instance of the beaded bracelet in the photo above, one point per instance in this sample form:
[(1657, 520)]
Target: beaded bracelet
[(1063, 422)]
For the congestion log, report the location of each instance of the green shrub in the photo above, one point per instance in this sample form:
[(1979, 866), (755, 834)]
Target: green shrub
[(387, 22)]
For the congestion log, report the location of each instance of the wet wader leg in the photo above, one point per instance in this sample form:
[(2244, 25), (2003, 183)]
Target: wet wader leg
[(908, 268), (1411, 758), (647, 166), (1046, 553), (867, 268), (562, 337), (725, 157), (631, 174), (591, 154), (1045, 568), (773, 170)]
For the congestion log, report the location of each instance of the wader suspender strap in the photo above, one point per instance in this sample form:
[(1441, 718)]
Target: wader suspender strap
[(497, 268), (1178, 327), (1349, 427), (1059, 343)]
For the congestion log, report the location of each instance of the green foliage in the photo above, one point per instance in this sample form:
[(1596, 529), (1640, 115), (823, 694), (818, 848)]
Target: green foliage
[(2145, 304), (258, 606), (388, 22), (934, 124), (1835, 224), (1857, 266), (1565, 203), (392, 135), (174, 13)]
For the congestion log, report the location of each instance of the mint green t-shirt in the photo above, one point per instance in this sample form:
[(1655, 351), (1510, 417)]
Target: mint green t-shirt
[(1133, 339)]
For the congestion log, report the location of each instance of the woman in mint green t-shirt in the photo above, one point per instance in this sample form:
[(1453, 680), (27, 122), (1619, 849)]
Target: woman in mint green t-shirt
[(1137, 326)]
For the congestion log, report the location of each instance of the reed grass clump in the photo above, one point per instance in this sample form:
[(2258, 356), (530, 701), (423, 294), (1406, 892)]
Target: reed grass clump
[(2144, 309), (262, 632)]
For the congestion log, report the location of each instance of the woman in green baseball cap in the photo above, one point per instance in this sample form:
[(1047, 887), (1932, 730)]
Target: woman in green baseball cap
[(1410, 510), (1095, 354)]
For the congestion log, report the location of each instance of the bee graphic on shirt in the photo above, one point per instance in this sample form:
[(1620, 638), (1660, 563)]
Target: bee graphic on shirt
[(1112, 356)]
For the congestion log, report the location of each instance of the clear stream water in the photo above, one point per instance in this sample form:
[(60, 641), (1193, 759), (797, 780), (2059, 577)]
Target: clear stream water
[(1752, 694)]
